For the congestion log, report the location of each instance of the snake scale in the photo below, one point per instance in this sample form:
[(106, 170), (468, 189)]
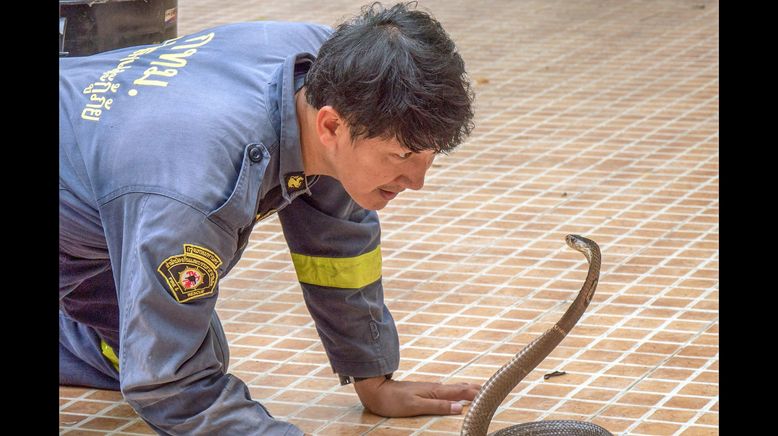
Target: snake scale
[(500, 384)]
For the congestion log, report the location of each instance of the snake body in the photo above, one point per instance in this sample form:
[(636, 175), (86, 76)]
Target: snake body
[(500, 384)]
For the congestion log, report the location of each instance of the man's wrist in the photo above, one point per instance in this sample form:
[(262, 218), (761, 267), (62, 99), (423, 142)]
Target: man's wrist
[(346, 379)]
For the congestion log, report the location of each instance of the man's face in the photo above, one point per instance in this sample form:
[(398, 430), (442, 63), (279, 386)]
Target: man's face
[(373, 171)]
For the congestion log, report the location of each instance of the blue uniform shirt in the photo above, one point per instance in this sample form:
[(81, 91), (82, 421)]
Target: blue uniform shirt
[(169, 155)]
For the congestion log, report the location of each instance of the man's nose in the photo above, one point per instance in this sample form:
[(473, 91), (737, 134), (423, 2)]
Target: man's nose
[(417, 171)]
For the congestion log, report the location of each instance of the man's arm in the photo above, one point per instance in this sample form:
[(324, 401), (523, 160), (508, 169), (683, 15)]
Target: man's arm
[(335, 246), (168, 258)]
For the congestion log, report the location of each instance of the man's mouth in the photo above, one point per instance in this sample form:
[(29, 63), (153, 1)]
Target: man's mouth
[(388, 195)]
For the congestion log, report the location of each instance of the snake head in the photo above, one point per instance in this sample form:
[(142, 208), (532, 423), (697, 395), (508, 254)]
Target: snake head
[(589, 248), (576, 242)]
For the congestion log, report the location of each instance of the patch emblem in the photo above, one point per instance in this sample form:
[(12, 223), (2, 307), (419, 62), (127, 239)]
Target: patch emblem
[(191, 275), (191, 278), (295, 181)]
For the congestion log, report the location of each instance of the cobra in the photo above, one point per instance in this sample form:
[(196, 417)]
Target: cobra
[(500, 384)]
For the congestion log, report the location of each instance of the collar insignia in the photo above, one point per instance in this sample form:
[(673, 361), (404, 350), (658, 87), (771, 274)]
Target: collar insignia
[(296, 182)]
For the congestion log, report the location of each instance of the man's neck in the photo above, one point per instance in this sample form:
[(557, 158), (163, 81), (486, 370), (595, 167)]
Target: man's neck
[(311, 149)]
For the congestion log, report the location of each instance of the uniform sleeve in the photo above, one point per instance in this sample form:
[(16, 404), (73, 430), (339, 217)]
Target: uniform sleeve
[(335, 248), (168, 258)]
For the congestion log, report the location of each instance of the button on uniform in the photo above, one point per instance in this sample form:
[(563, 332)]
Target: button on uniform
[(255, 154)]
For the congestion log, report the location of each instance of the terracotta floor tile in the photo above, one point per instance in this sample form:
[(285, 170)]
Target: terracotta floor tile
[(87, 407), (615, 344), (601, 356), (585, 367), (549, 390), (308, 426), (81, 432), (343, 400), (708, 377), (357, 416), (316, 384), (390, 431), (618, 411), (515, 416), (122, 410), (699, 351), (595, 394), (611, 382), (672, 374), (643, 359), (681, 416), (700, 431), (71, 392), (680, 402), (70, 419), (281, 409), (101, 423), (656, 428), (631, 371), (534, 403), (294, 369), (296, 396), (640, 399), (457, 356), (312, 356), (585, 408), (450, 424), (614, 425), (105, 395), (699, 389), (439, 368), (338, 429), (253, 341), (676, 337), (418, 353), (275, 381), (651, 385), (686, 362), (708, 419), (139, 427)]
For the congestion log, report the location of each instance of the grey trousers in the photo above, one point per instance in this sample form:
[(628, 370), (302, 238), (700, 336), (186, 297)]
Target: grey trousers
[(81, 361)]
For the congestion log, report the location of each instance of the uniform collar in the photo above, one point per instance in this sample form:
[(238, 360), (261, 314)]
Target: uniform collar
[(288, 80)]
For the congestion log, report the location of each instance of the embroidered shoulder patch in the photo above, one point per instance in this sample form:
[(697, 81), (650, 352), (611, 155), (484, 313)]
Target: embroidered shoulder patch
[(191, 275)]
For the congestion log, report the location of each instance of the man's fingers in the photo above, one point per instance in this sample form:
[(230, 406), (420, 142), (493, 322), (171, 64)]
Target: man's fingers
[(442, 399), (426, 406), (456, 392)]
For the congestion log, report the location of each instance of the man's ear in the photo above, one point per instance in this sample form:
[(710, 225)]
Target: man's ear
[(329, 126)]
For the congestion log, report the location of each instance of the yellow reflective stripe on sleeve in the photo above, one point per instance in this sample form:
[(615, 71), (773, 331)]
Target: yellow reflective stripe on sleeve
[(109, 354), (339, 272)]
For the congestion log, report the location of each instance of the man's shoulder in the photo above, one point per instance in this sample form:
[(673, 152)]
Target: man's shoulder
[(278, 26), (280, 33)]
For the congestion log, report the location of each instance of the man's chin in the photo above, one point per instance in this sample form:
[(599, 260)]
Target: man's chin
[(374, 205), (371, 202)]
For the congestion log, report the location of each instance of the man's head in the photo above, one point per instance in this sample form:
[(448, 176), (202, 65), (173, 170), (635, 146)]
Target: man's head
[(390, 81)]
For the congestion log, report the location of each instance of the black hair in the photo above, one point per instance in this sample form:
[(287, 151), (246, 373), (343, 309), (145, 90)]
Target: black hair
[(394, 73)]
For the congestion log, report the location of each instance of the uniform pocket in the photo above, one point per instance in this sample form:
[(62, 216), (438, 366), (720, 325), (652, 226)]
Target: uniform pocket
[(239, 209)]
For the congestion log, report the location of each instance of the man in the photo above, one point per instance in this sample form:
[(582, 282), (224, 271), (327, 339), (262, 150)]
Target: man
[(171, 153)]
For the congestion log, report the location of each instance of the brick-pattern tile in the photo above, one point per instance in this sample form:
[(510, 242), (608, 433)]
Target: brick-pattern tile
[(592, 117)]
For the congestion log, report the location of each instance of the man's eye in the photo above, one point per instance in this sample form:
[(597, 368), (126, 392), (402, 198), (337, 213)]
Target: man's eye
[(404, 155)]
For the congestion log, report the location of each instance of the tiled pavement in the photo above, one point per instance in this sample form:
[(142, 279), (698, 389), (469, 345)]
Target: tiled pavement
[(596, 117)]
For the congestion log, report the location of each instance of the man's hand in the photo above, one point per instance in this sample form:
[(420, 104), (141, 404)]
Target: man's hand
[(394, 399)]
